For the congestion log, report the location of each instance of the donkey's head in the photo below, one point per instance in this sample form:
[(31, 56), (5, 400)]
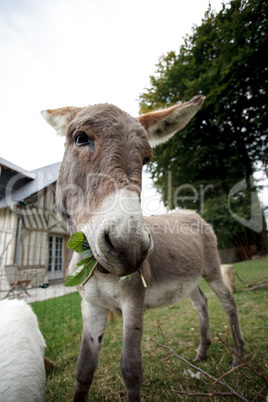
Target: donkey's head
[(99, 184)]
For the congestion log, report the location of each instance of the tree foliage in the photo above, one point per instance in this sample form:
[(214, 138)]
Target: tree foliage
[(225, 58)]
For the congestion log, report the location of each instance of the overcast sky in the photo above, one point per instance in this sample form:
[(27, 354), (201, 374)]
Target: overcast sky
[(56, 53)]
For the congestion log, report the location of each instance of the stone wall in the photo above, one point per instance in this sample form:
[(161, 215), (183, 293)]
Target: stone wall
[(228, 255), (38, 276), (231, 255)]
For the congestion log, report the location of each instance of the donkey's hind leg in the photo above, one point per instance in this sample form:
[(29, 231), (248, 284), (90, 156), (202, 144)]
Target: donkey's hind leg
[(229, 306), (200, 304)]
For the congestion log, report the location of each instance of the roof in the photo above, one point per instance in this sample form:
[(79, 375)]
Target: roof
[(15, 168), (22, 184)]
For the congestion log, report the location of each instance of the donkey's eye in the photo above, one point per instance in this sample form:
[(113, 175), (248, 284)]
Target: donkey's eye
[(81, 138), (146, 160)]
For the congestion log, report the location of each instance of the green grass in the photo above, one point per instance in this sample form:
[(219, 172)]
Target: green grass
[(61, 324)]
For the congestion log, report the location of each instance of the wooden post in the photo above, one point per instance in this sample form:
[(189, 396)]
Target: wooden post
[(227, 272)]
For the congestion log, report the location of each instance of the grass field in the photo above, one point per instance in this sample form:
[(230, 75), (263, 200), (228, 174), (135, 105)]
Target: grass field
[(61, 324)]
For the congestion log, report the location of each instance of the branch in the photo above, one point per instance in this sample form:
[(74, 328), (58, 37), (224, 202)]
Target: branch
[(203, 394), (260, 392), (244, 362), (257, 287), (229, 372), (241, 280), (232, 393), (49, 365), (216, 381)]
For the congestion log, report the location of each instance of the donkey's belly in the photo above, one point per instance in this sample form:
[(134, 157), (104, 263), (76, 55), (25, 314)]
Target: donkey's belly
[(167, 293)]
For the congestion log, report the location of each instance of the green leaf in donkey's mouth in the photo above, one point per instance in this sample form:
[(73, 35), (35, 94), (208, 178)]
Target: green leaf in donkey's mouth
[(143, 280), (82, 273), (87, 266), (125, 277), (131, 275), (76, 240)]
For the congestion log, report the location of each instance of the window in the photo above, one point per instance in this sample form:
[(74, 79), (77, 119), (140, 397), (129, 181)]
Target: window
[(55, 262)]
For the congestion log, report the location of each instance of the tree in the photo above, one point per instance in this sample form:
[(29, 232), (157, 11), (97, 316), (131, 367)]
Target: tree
[(225, 58)]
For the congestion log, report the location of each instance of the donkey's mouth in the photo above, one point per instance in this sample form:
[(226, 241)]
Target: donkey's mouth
[(118, 268), (102, 270)]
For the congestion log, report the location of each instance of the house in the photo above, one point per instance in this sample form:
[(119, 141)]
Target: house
[(32, 236)]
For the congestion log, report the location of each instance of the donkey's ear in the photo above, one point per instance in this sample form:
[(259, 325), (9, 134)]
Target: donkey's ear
[(60, 118), (163, 124)]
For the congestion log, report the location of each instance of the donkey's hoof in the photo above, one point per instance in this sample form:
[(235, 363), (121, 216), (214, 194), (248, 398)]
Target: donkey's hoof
[(199, 358), (236, 363), (237, 359)]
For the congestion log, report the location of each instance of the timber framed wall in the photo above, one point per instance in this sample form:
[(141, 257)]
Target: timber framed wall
[(24, 238)]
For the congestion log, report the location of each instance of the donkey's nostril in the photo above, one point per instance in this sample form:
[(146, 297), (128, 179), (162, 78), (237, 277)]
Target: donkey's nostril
[(108, 243), (122, 246)]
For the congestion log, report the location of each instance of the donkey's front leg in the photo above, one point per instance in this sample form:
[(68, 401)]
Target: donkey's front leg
[(94, 324), (131, 359)]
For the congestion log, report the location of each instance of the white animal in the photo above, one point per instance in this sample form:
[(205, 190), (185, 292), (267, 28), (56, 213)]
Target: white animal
[(22, 346)]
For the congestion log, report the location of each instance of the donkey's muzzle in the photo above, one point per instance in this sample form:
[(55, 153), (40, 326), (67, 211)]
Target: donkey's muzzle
[(125, 252), (118, 236)]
